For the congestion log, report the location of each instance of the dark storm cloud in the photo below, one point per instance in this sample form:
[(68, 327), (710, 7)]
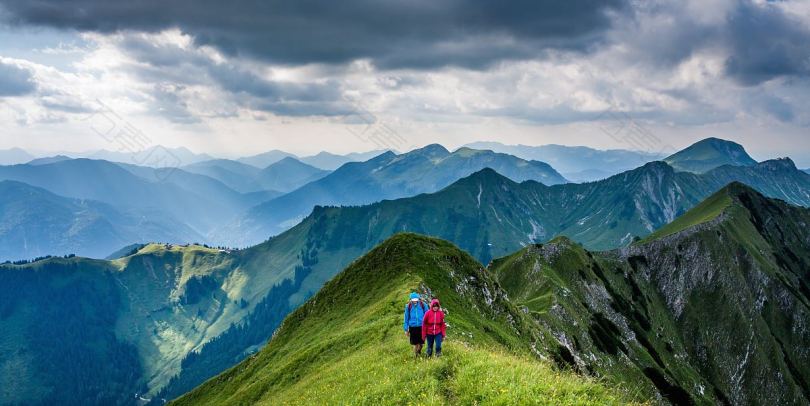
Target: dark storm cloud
[(15, 81), (176, 68), (416, 33), (760, 41), (766, 43)]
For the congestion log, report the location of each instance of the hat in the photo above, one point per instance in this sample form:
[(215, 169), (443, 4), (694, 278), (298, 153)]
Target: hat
[(434, 302), (414, 296)]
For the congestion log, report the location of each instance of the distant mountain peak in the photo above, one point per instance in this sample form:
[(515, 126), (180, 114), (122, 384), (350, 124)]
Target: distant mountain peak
[(487, 175), (708, 154), (779, 164), (48, 160), (289, 160), (433, 150)]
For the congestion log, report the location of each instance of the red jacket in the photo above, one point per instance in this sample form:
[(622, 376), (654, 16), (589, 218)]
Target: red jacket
[(433, 322)]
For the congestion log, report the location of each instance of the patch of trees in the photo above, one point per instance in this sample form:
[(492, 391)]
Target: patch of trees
[(76, 354), (37, 259)]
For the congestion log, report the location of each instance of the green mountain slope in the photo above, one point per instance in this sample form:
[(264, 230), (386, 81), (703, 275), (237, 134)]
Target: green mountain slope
[(58, 343), (714, 308), (168, 301), (708, 154), (345, 345)]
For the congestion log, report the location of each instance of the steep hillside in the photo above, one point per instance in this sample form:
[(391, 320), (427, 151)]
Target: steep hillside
[(387, 176), (160, 302), (59, 343), (35, 223), (325, 353), (712, 308), (708, 154)]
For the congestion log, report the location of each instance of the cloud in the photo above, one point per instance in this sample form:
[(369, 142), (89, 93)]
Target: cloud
[(766, 43), (178, 66), (15, 80), (393, 34)]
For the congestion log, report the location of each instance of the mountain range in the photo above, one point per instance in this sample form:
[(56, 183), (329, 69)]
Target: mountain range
[(37, 223), (328, 161), (578, 164), (710, 311), (204, 206), (191, 312), (192, 205), (387, 176), (163, 156), (284, 175)]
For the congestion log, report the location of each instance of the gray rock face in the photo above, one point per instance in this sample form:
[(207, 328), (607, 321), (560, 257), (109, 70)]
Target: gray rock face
[(718, 312)]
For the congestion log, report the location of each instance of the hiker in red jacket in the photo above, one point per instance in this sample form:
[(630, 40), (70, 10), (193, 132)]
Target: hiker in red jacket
[(433, 328)]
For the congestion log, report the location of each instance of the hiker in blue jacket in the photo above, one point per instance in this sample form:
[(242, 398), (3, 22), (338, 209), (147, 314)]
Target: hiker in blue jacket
[(412, 324)]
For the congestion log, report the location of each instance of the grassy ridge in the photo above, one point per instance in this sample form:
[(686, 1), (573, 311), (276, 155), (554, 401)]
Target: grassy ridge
[(346, 344), (704, 212)]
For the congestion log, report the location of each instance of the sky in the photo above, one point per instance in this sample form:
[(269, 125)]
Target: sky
[(242, 77)]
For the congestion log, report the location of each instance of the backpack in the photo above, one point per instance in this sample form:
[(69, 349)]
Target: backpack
[(421, 304), (410, 306)]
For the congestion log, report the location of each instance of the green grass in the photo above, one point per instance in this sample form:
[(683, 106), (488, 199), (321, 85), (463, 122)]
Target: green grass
[(704, 212), (346, 345)]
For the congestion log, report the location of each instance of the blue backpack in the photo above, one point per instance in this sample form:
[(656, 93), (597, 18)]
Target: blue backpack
[(410, 306)]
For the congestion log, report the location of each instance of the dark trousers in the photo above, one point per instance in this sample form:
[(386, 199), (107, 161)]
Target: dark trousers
[(434, 339)]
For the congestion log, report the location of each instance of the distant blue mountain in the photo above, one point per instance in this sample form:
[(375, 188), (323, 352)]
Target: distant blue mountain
[(387, 176), (35, 222), (14, 156), (285, 175), (201, 203), (265, 159), (578, 164), (330, 162), (708, 154), (49, 160), (171, 157), (289, 174)]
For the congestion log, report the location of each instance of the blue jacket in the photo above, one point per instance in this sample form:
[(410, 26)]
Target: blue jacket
[(414, 316)]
